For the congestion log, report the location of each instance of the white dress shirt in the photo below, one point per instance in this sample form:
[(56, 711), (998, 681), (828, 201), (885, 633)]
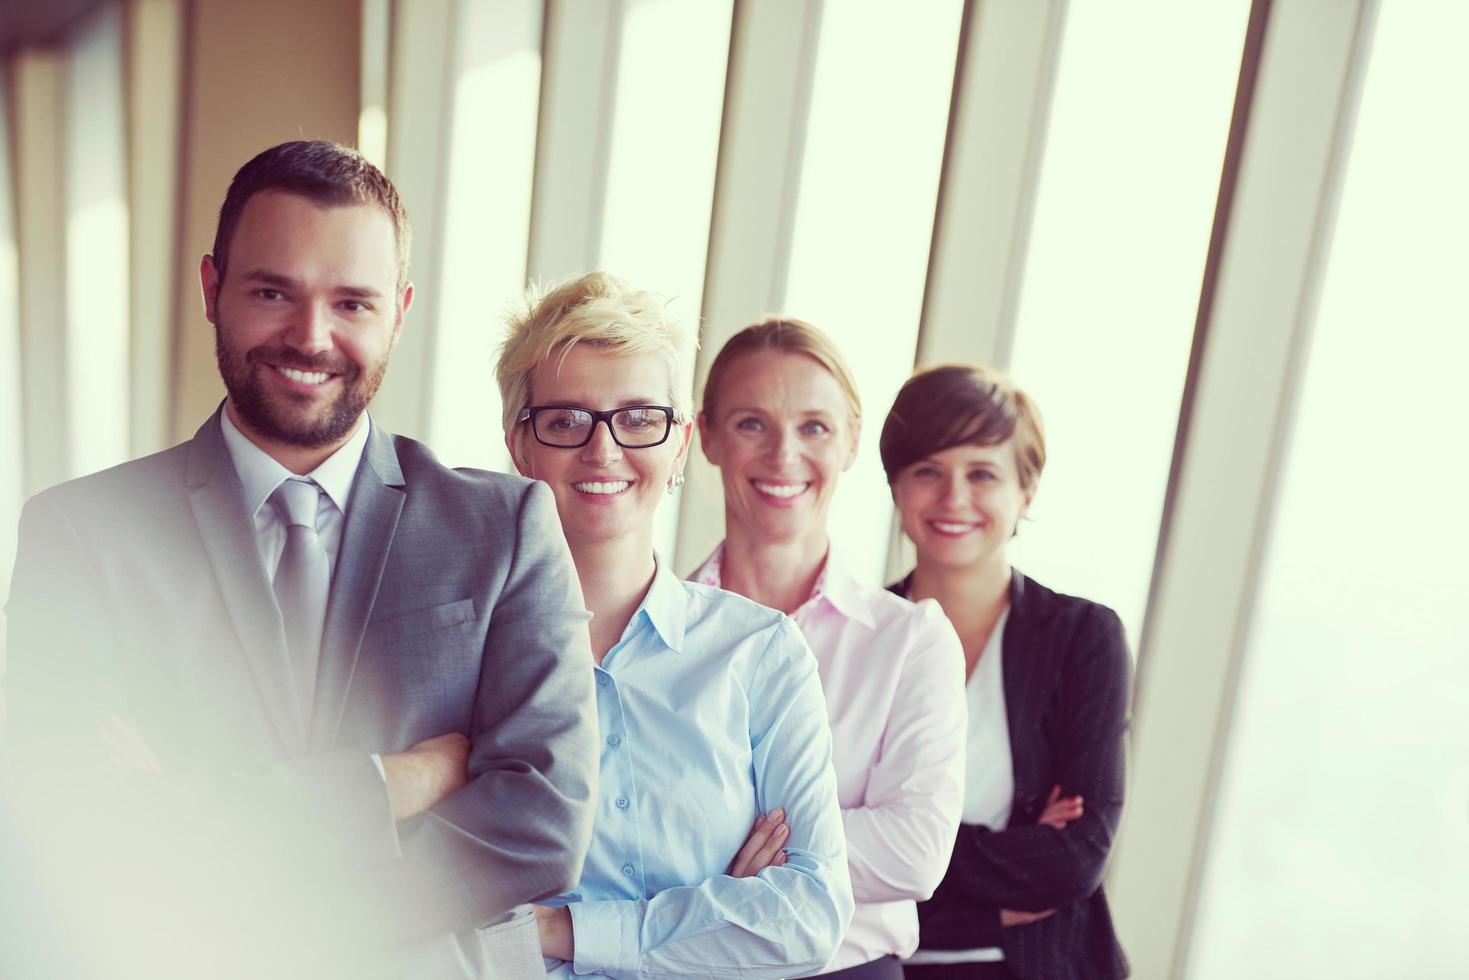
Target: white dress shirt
[(989, 773), (893, 675), (261, 474)]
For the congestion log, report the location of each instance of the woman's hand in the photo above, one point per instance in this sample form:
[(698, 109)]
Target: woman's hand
[(557, 940), (762, 849), (1059, 812), (1009, 917)]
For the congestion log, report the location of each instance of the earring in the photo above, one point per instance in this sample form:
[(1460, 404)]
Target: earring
[(674, 482)]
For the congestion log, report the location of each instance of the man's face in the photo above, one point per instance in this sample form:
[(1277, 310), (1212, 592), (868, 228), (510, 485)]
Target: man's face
[(306, 316)]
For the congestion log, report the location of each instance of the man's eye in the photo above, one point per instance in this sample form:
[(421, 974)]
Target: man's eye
[(355, 306), (814, 428), (268, 294), (926, 471), (749, 425), (981, 476)]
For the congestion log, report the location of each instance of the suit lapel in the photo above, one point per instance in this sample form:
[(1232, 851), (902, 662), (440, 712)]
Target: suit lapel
[(1028, 677), (367, 539), (218, 500)]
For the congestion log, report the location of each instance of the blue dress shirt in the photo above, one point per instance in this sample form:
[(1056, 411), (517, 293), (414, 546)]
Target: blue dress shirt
[(711, 712)]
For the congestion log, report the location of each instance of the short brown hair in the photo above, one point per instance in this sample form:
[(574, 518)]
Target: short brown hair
[(783, 334), (962, 405), (327, 173)]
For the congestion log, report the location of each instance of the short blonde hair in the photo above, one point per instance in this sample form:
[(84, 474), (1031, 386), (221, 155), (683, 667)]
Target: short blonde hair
[(791, 336), (597, 309)]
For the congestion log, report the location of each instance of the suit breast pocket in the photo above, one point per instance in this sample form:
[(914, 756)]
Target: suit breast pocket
[(425, 661), (408, 624)]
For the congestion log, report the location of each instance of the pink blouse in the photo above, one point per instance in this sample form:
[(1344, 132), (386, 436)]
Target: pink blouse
[(893, 675)]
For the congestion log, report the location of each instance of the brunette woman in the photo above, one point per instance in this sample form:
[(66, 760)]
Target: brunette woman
[(1047, 684)]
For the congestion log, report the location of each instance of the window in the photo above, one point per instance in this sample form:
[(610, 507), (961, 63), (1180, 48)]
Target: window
[(372, 119), (12, 456), (1340, 845), (486, 222), (1124, 209), (864, 220), (665, 149), (97, 249)]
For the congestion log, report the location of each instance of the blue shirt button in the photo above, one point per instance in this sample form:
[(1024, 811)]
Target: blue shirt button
[(614, 740), (628, 870), (601, 680), (622, 803)]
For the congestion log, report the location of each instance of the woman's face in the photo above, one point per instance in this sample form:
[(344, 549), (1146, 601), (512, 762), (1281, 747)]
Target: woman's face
[(960, 506), (782, 435), (603, 491)]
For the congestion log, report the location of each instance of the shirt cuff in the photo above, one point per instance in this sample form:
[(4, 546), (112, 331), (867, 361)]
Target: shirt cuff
[(605, 936)]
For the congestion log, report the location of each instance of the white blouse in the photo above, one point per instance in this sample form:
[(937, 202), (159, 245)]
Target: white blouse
[(989, 776)]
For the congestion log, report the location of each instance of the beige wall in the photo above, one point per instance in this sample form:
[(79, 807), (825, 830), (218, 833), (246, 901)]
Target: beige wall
[(258, 74)]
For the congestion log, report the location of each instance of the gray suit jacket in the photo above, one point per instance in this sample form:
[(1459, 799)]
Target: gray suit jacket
[(139, 592)]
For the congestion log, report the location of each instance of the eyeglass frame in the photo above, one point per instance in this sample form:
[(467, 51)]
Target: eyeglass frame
[(529, 413)]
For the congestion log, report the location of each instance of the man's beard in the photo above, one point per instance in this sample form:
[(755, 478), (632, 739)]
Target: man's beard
[(270, 416)]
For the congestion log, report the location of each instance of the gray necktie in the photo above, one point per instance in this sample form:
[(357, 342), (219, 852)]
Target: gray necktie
[(302, 580)]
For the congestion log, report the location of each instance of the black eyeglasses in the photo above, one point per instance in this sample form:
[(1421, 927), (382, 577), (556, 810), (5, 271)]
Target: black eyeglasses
[(570, 427)]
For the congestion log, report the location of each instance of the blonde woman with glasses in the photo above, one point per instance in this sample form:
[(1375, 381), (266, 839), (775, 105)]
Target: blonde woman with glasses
[(717, 848)]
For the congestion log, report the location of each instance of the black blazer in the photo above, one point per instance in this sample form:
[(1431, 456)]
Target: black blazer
[(1067, 678)]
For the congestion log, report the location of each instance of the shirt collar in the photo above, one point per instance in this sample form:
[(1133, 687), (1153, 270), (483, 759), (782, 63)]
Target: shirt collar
[(845, 594), (711, 572), (261, 474), (834, 585), (667, 607)]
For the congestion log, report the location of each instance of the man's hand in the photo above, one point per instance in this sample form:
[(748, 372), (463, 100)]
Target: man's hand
[(421, 777), (557, 939), (1058, 812), (762, 849), (1009, 917)]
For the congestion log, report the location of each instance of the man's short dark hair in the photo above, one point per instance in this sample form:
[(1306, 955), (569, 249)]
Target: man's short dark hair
[(327, 173)]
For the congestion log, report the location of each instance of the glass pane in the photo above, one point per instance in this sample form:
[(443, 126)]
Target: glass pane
[(97, 336), (372, 118), (665, 149), (1123, 215), (1340, 844), (11, 455), (864, 220), (487, 221)]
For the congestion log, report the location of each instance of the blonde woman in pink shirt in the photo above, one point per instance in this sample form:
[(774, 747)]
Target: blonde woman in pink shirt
[(780, 419)]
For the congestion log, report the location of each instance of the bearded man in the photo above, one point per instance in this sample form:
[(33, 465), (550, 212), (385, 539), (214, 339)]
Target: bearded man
[(293, 698)]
